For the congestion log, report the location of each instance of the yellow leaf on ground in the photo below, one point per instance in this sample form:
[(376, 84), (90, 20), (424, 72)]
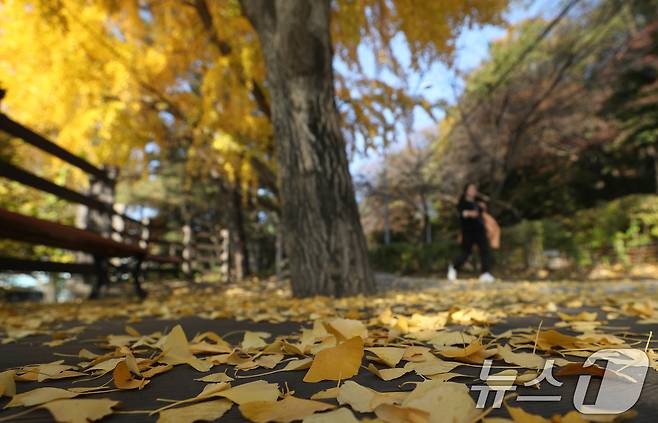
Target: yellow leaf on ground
[(388, 374), (520, 416), (337, 363), (389, 355), (326, 393), (444, 401), (448, 338), (527, 360), (364, 399), (39, 396), (259, 390), (253, 341), (80, 410), (394, 414), (176, 350), (346, 328), (288, 409), (205, 411), (123, 378), (7, 384), (216, 378), (340, 415)]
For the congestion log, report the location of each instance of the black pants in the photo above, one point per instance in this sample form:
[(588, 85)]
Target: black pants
[(470, 238)]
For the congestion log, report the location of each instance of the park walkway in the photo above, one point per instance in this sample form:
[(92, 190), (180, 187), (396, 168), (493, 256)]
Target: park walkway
[(36, 334)]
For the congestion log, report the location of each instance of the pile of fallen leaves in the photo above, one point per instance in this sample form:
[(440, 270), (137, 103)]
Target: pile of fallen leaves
[(433, 334)]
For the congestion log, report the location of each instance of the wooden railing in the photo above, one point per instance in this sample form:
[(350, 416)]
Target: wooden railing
[(203, 248)]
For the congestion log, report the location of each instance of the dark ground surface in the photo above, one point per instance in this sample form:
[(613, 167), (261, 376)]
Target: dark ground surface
[(179, 383)]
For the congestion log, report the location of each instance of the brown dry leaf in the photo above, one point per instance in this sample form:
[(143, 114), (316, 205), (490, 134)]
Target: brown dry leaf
[(123, 378), (205, 411), (391, 356), (176, 350), (394, 414), (39, 396), (7, 384), (527, 360), (216, 378), (340, 415), (80, 410), (337, 363), (444, 401), (364, 399), (388, 374), (287, 410)]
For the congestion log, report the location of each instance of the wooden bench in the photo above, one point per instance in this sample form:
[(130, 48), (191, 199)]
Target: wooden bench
[(37, 231)]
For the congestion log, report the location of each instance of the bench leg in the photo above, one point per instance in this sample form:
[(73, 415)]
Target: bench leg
[(101, 277), (136, 276)]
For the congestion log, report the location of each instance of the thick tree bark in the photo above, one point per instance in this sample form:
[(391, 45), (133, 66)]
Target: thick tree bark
[(323, 235)]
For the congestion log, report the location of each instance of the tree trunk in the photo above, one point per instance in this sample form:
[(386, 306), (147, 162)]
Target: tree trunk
[(323, 235)]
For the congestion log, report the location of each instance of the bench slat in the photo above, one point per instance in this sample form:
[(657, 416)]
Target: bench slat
[(17, 174), (16, 129), (37, 231), (13, 264)]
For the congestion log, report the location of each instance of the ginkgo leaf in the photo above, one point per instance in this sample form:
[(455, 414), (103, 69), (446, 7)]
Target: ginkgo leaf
[(340, 415), (216, 378), (123, 378), (39, 396), (345, 329), (337, 363), (388, 374), (519, 415), (176, 350), (298, 364), (444, 401), (395, 414), (153, 371), (259, 390), (432, 366), (253, 341), (80, 410), (391, 356), (7, 383), (326, 393), (448, 338), (364, 399), (204, 411), (444, 377), (289, 409), (527, 360)]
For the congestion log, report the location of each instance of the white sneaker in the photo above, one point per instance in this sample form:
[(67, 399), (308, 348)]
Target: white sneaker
[(452, 274), (487, 277)]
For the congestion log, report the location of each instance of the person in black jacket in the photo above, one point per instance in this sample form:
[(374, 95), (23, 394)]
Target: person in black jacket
[(473, 233)]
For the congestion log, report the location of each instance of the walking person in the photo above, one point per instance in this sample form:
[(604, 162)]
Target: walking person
[(473, 232)]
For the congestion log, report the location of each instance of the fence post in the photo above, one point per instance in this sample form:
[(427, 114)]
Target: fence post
[(224, 257), (187, 251)]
